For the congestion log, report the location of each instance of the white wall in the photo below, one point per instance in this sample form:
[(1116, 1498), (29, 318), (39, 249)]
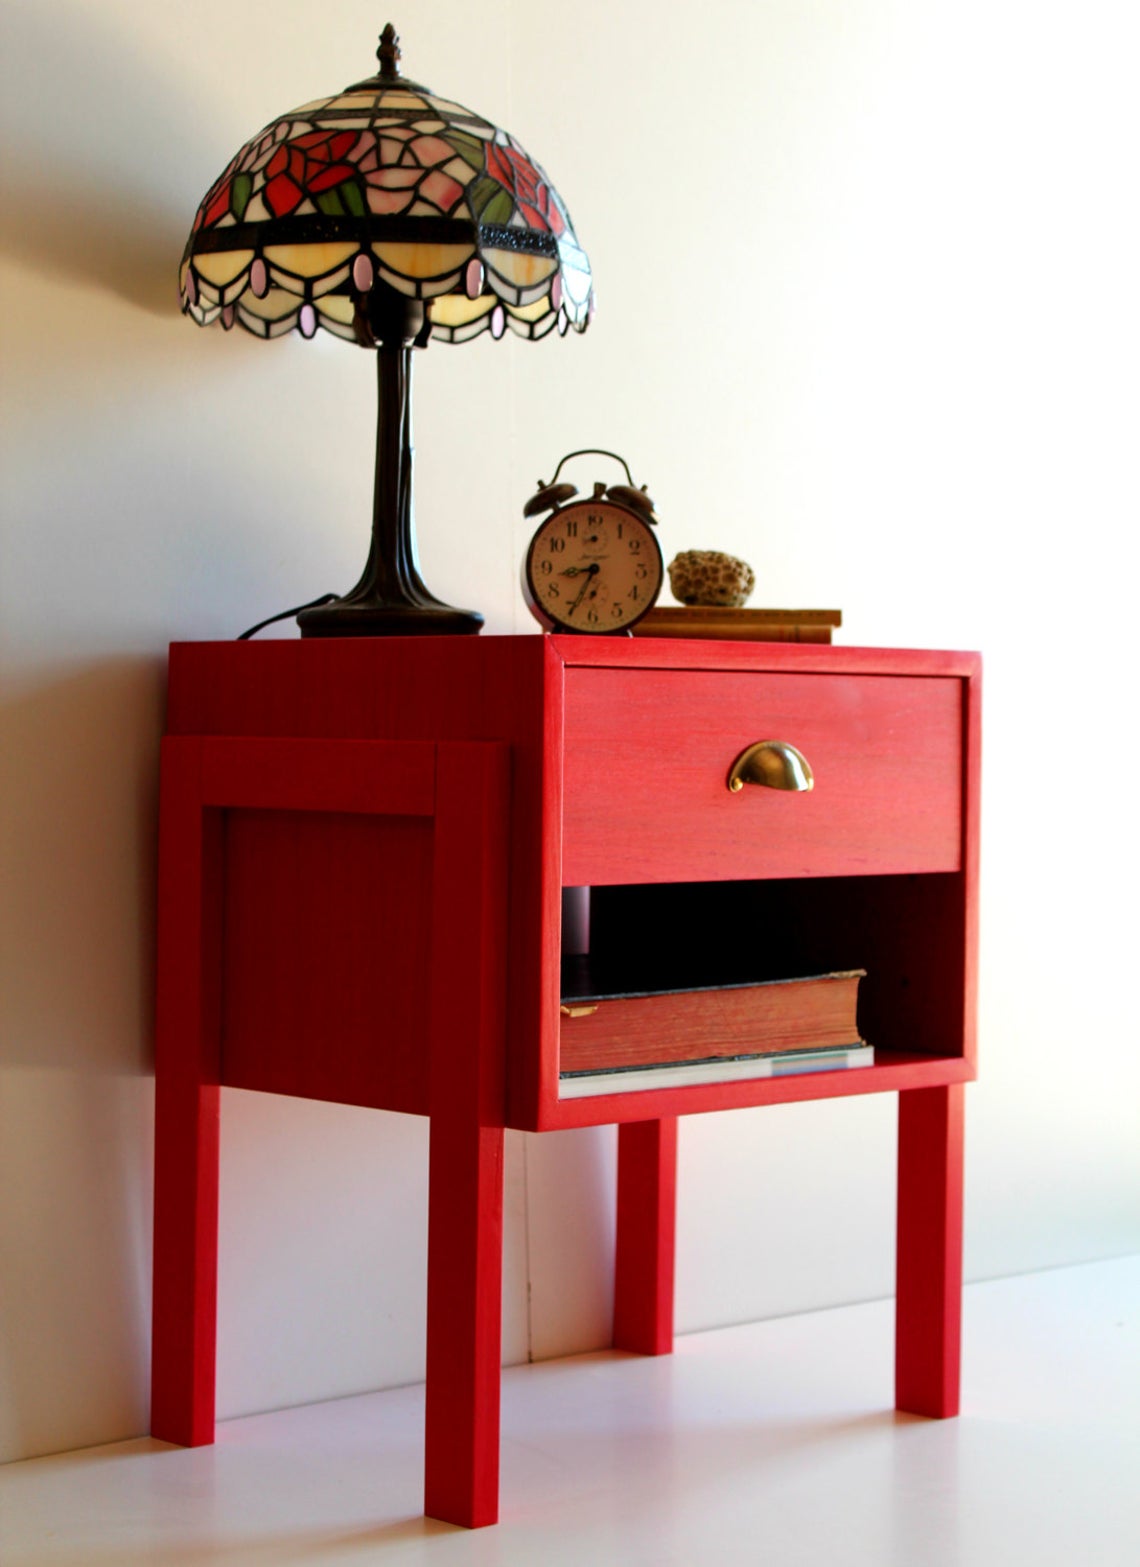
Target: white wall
[(868, 316)]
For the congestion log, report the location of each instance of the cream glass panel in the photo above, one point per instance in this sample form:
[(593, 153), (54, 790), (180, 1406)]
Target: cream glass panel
[(308, 260), (519, 267), (222, 266), (455, 310), (276, 304), (423, 261)]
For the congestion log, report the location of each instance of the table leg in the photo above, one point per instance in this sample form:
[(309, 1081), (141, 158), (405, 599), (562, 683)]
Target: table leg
[(465, 1186), (928, 1303), (186, 1111), (646, 1224), (464, 1332)]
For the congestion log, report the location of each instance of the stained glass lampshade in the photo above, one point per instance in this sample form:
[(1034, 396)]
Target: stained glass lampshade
[(387, 216)]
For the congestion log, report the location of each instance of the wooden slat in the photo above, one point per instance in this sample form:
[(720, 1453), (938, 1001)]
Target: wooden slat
[(371, 776), (667, 653), (894, 1071)]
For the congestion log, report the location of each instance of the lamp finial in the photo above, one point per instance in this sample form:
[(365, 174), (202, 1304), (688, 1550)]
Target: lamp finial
[(389, 53)]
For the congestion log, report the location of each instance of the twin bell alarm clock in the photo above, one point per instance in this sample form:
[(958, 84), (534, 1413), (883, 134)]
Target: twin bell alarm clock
[(594, 565)]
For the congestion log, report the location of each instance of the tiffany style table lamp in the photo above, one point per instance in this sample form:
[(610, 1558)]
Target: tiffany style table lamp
[(387, 216)]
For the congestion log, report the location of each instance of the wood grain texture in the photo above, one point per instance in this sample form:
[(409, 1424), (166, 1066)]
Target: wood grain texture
[(664, 653), (928, 1301), (646, 1236), (647, 753)]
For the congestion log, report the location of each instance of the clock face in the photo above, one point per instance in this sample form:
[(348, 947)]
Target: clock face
[(593, 567)]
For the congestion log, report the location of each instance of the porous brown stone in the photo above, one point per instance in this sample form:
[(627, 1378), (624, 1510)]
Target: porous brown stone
[(708, 577)]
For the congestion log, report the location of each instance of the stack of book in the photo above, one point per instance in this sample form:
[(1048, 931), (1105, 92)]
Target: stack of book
[(717, 623), (616, 1042)]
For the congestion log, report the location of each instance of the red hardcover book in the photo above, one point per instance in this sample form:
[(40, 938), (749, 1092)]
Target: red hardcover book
[(606, 1032)]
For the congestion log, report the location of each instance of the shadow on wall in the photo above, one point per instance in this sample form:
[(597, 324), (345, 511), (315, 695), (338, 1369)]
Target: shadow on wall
[(75, 1256), (79, 795), (78, 804), (92, 144)]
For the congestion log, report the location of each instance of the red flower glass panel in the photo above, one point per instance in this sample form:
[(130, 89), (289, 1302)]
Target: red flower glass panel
[(283, 195), (512, 168), (336, 175), (307, 165), (219, 206)]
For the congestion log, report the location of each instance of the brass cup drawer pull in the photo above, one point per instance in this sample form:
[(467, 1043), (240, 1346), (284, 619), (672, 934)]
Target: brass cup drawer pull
[(772, 764)]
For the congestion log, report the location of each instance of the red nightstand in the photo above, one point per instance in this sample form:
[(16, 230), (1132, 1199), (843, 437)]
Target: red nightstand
[(363, 845)]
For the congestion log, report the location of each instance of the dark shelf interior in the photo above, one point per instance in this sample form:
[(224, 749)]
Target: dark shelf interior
[(908, 932)]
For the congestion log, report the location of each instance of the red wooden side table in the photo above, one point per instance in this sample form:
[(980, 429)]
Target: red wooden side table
[(362, 849)]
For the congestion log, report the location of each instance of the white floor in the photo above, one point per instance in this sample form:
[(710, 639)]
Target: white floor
[(771, 1443)]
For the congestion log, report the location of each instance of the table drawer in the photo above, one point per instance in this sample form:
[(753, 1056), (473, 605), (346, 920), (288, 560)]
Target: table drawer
[(647, 754)]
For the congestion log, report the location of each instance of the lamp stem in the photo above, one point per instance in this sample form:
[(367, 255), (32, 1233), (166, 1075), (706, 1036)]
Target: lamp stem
[(392, 556), (391, 598)]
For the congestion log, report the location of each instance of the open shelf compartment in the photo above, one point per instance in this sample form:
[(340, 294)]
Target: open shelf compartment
[(907, 932)]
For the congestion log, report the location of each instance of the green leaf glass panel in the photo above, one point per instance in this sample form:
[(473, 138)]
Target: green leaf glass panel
[(469, 148), (492, 204), (240, 192)]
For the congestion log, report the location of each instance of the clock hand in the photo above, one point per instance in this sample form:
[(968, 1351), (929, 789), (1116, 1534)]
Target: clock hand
[(576, 571), (590, 572)]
